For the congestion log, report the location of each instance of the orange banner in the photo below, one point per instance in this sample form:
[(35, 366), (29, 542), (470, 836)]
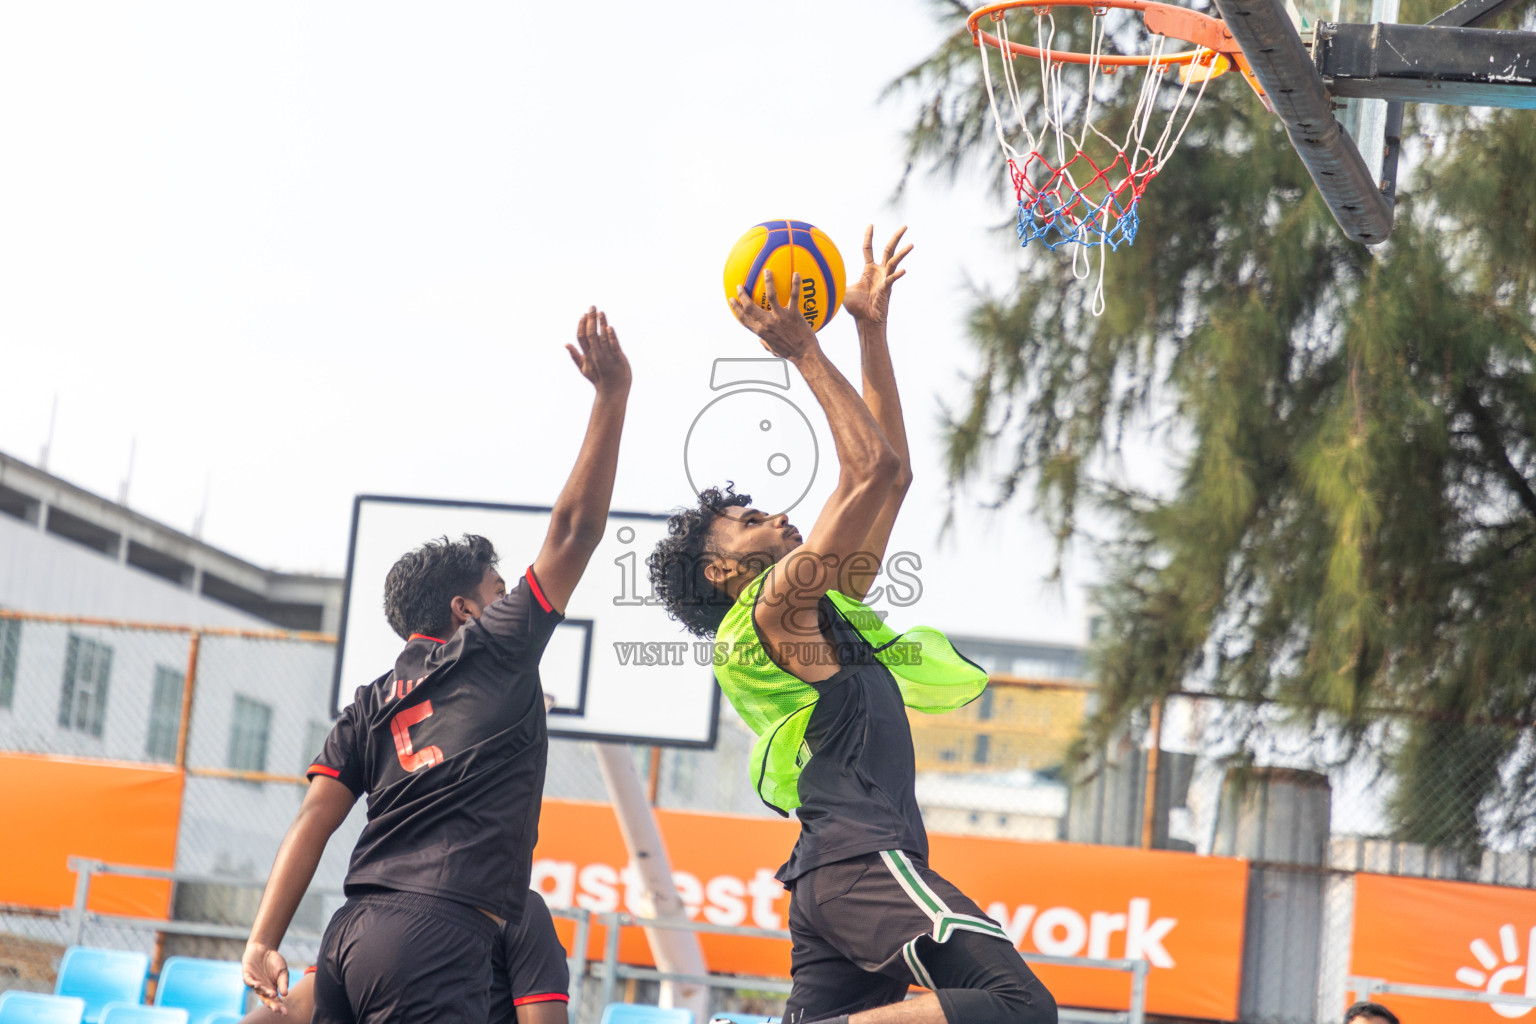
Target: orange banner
[(57, 808), (1449, 934), (1181, 913)]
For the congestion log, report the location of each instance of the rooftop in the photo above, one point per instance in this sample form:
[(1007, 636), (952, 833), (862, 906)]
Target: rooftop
[(61, 509)]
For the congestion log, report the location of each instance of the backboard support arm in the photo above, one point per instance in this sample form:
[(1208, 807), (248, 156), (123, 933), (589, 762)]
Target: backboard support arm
[(1283, 67)]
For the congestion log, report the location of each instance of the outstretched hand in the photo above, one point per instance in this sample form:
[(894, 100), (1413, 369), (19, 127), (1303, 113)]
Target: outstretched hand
[(600, 358), (869, 298), (266, 972), (782, 329)]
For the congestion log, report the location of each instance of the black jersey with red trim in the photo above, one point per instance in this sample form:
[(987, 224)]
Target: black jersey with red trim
[(450, 747)]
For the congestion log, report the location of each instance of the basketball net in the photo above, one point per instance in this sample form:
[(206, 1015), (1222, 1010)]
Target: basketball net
[(1064, 195)]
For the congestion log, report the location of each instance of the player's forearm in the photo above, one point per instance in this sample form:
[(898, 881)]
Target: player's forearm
[(581, 511), (292, 872), (881, 394), (863, 454)]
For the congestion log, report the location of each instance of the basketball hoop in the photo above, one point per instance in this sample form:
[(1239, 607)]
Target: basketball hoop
[(1064, 194)]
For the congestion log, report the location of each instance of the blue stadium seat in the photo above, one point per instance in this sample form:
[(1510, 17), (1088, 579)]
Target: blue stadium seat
[(133, 1013), (225, 1018), (36, 1008), (102, 976), (634, 1013), (204, 988)]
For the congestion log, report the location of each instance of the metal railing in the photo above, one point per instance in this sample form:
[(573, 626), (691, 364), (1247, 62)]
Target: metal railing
[(87, 869), (611, 970), (577, 961), (1365, 988)]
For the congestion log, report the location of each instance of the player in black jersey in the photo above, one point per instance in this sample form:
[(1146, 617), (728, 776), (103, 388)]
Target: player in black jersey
[(450, 747), (811, 668)]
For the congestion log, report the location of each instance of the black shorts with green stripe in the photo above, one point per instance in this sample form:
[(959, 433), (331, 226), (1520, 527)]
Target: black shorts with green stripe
[(867, 928)]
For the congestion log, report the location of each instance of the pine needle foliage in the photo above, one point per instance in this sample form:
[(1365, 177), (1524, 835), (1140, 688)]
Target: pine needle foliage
[(1350, 524)]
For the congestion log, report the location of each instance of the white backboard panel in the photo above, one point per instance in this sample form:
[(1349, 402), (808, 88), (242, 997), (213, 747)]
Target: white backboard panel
[(605, 684)]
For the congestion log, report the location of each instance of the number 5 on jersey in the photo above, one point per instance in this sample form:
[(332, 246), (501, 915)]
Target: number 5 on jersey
[(411, 759)]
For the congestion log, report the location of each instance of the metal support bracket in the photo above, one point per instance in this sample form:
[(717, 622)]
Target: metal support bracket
[(1428, 64), (1284, 68), (1467, 14)]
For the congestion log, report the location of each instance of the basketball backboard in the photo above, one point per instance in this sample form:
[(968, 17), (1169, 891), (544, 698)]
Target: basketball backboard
[(618, 668)]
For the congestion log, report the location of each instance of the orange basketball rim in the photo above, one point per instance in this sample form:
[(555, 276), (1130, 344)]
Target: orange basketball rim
[(1215, 53)]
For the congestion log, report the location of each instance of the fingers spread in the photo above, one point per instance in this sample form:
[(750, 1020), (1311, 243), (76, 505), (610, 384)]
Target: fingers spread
[(771, 291), (892, 262), (869, 244), (746, 309), (894, 242)]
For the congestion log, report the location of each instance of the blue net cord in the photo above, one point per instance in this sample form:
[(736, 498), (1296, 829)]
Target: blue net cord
[(1059, 212)]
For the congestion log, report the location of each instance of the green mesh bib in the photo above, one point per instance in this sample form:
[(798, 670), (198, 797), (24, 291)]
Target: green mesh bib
[(932, 675)]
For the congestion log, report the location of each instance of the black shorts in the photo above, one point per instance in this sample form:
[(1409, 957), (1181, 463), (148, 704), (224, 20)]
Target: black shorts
[(396, 956), (530, 965), (867, 928)]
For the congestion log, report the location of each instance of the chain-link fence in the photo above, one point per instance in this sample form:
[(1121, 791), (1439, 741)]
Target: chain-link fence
[(1310, 803)]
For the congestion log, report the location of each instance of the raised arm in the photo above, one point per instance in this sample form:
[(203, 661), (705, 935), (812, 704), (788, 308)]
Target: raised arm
[(325, 807), (868, 302), (867, 467), (580, 514)]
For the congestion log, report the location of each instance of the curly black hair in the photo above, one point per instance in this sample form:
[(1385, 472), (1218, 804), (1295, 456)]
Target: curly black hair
[(677, 564), (1369, 1009), (420, 588)]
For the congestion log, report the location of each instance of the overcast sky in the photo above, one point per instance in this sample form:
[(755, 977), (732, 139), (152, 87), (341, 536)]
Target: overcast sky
[(301, 251)]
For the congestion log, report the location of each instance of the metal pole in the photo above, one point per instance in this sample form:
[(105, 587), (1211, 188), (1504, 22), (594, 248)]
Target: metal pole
[(183, 736), (579, 961), (1149, 802), (1138, 1014), (610, 957), (654, 782), (188, 685), (83, 869), (676, 951)]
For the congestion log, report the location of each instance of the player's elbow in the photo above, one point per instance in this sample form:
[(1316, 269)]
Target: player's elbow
[(577, 529), (885, 468), (873, 476)]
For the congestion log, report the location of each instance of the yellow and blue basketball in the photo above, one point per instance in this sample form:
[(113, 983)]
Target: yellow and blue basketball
[(787, 247)]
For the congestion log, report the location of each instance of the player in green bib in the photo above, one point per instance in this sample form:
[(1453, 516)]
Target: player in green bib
[(825, 683)]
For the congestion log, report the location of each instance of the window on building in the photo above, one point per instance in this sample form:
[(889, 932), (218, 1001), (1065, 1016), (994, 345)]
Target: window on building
[(983, 748), (10, 653), (165, 714), (249, 728), (949, 755), (984, 705), (87, 670), (314, 741)]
